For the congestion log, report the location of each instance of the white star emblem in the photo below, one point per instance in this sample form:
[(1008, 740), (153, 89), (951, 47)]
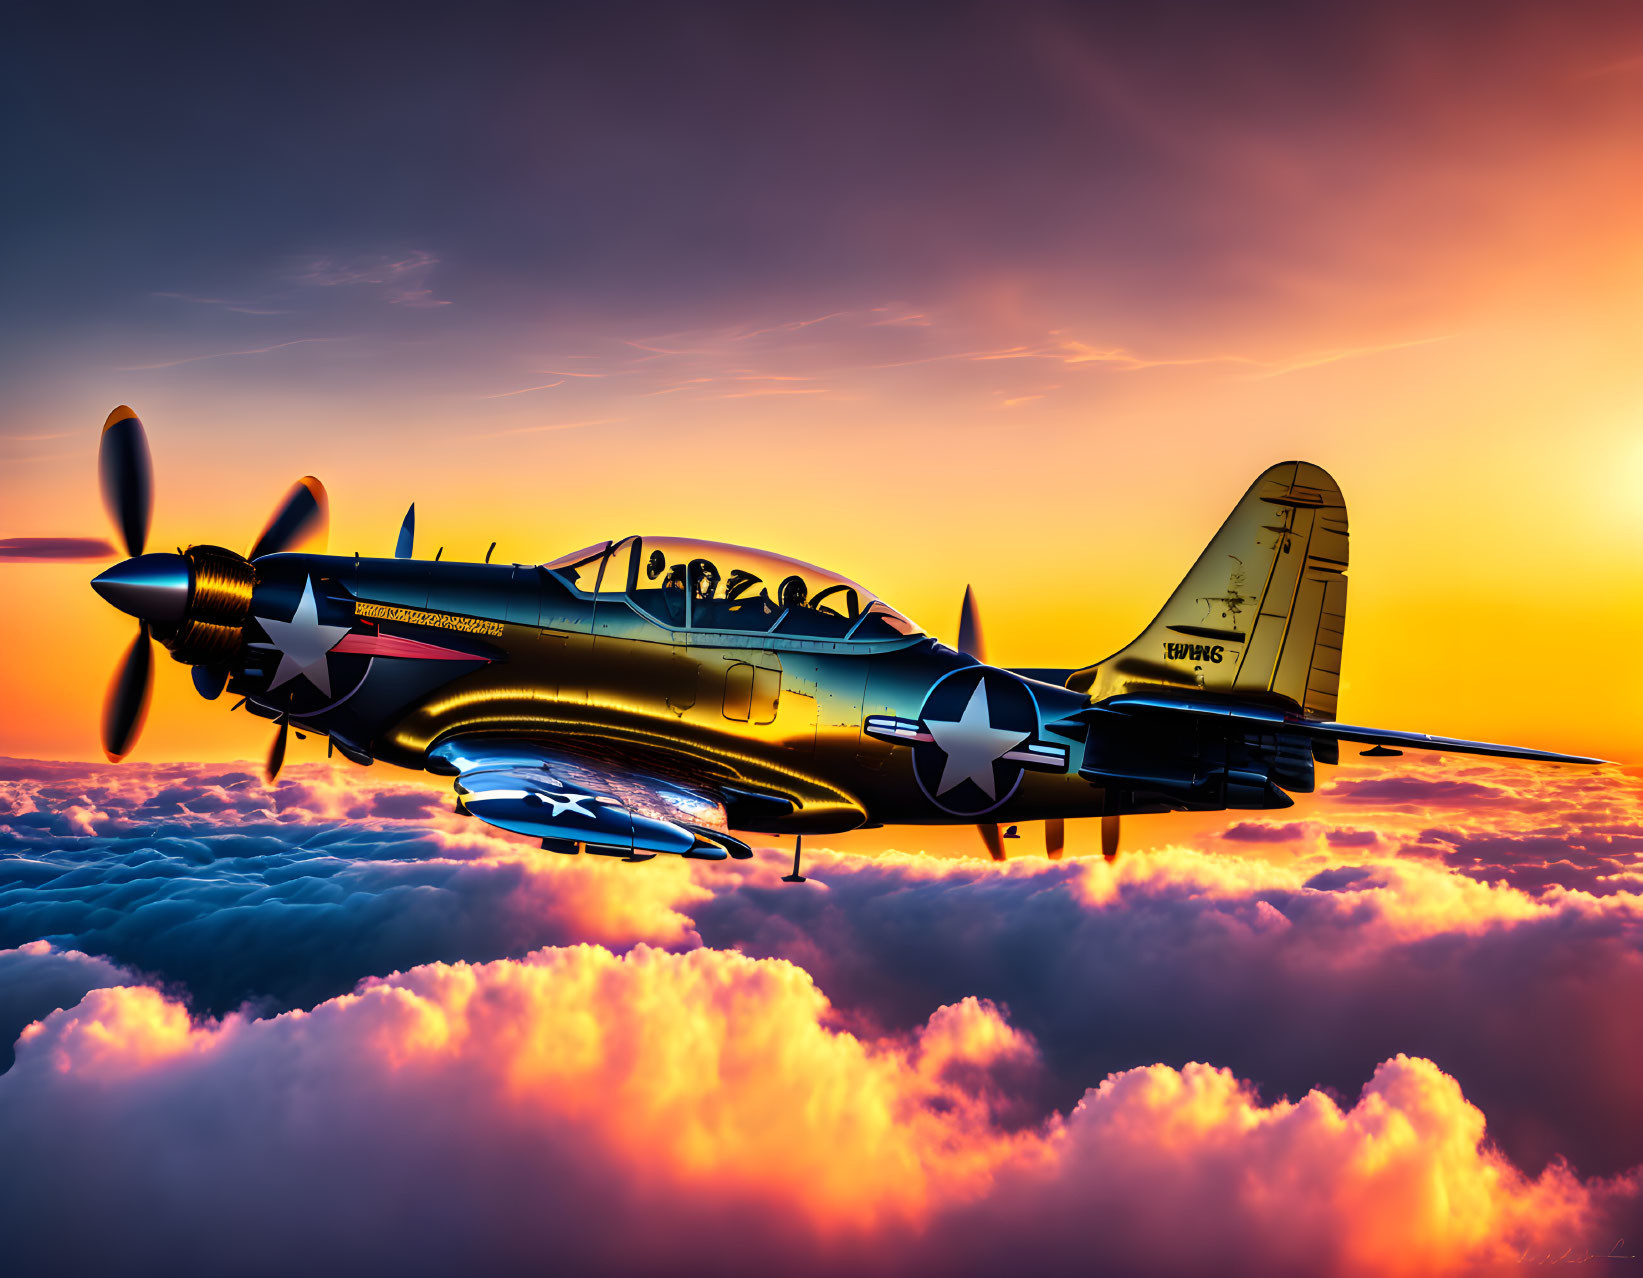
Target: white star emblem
[(302, 643), (972, 744), (568, 802)]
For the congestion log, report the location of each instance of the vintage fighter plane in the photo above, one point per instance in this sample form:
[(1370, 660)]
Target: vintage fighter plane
[(652, 694)]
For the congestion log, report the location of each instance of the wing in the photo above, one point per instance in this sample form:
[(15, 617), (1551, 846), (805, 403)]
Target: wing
[(533, 789), (1385, 740)]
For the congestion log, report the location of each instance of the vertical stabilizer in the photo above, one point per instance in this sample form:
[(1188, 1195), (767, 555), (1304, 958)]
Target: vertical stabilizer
[(1263, 611)]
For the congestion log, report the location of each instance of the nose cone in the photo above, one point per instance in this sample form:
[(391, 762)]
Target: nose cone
[(152, 587)]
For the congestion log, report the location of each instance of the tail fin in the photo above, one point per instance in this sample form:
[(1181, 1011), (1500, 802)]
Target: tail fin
[(1262, 612)]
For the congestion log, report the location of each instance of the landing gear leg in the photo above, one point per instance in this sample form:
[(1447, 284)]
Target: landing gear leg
[(798, 850)]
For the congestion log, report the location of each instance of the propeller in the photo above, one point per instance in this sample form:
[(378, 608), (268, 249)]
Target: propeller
[(1055, 838), (126, 476), (1109, 838), (209, 681), (125, 704), (276, 752), (303, 515), (194, 603)]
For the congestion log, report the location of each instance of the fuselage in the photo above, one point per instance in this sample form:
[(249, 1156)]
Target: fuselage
[(766, 712)]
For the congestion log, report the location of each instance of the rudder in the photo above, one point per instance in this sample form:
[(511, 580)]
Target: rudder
[(1262, 612)]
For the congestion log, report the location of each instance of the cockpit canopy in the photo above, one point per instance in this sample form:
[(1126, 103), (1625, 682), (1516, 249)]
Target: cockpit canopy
[(681, 583)]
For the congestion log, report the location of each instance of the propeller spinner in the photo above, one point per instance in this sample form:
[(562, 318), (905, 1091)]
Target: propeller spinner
[(194, 602)]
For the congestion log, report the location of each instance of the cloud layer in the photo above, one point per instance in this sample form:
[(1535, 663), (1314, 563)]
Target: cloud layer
[(695, 1113), (340, 1019)]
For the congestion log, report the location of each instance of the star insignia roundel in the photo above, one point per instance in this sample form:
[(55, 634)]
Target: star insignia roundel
[(975, 735), (306, 660), (303, 643)]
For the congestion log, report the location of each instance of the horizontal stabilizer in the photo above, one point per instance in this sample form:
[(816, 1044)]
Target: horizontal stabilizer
[(1252, 717)]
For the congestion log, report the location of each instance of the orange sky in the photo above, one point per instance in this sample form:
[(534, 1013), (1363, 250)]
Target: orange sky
[(1438, 297)]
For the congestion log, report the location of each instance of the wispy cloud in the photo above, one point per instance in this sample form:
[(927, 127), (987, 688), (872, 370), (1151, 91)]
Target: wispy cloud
[(403, 280), (762, 392), (1072, 352), (651, 346), (243, 308), (45, 550), (551, 426), (909, 319), (1620, 66), (791, 327), (1062, 348), (253, 350), (40, 457), (524, 390), (687, 384), (1320, 358), (822, 356)]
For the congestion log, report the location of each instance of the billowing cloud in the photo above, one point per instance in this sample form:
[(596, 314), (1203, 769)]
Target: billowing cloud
[(925, 1040), (286, 897), (697, 1113), (37, 979), (1295, 975)]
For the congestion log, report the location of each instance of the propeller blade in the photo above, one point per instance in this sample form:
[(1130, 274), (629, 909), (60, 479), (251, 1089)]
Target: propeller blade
[(209, 681), (970, 639), (994, 841), (1109, 838), (276, 752), (1055, 838), (127, 477), (304, 515), (407, 534), (125, 705)]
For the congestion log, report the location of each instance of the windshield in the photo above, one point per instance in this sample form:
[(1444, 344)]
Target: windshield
[(580, 568), (707, 585)]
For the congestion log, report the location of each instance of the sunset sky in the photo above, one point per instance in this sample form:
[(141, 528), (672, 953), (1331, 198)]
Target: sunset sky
[(1017, 296), (1022, 298)]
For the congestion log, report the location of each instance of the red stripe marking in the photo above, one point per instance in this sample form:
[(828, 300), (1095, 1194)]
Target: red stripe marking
[(380, 645)]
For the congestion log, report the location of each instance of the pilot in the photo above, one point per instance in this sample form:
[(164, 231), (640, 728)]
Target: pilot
[(792, 593), (704, 578), (747, 610), (673, 586)]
